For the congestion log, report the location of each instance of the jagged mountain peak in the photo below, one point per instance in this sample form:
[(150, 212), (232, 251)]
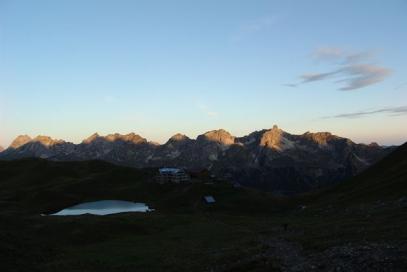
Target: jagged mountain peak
[(46, 140), (374, 144), (319, 134), (261, 137), (179, 138), (274, 138), (275, 127), (321, 138), (131, 137), (20, 141), (220, 136), (1, 148), (285, 160), (91, 138)]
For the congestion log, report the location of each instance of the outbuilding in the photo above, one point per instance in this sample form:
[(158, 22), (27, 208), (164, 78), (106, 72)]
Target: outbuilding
[(175, 175)]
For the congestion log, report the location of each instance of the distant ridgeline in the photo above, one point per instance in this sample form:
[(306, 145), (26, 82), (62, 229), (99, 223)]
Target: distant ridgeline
[(270, 159)]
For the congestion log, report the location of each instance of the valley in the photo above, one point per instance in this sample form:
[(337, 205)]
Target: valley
[(358, 225)]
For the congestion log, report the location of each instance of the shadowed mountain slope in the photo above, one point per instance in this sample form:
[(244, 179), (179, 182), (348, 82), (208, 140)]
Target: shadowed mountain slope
[(383, 181)]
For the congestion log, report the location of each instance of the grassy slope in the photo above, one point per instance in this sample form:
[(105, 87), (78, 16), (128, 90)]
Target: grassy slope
[(364, 208), (386, 180), (41, 186), (183, 234)]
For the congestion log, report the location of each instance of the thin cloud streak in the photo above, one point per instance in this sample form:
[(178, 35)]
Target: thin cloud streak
[(252, 27), (205, 109), (358, 57), (316, 76), (362, 75), (351, 71), (291, 85), (356, 76), (328, 54), (400, 86), (392, 111), (336, 54)]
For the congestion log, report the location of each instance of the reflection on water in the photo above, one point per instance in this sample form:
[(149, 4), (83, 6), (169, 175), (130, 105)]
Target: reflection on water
[(104, 207)]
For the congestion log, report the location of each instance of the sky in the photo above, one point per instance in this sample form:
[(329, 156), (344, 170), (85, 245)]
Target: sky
[(69, 68)]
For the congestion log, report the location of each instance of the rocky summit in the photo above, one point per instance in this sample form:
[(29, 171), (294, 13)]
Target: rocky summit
[(20, 141), (269, 159)]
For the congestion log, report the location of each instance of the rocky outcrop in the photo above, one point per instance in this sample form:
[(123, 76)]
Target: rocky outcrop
[(20, 141), (270, 159), (220, 136), (46, 140), (177, 138), (130, 138), (41, 147), (92, 138)]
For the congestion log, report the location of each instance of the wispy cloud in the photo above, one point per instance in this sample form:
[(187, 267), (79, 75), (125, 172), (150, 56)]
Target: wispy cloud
[(350, 69), (254, 26), (400, 86), (341, 56), (328, 54), (205, 109), (392, 111), (316, 76), (358, 57), (362, 75), (291, 85)]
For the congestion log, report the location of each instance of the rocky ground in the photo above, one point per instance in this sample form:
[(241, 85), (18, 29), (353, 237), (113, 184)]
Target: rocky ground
[(348, 257), (281, 254)]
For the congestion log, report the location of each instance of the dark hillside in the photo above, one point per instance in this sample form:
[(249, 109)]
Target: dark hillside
[(384, 181), (43, 186)]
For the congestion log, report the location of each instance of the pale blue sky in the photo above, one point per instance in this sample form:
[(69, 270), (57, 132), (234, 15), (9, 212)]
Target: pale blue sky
[(74, 67)]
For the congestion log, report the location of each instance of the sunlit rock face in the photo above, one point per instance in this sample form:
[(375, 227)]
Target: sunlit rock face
[(91, 138), (46, 140), (220, 136), (39, 147), (20, 141), (25, 139), (131, 138), (178, 138), (276, 139), (270, 159), (321, 138)]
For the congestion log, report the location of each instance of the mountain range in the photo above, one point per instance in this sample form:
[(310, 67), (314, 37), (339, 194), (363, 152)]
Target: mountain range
[(269, 159)]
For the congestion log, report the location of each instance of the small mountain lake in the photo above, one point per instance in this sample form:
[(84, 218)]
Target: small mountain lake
[(104, 207)]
